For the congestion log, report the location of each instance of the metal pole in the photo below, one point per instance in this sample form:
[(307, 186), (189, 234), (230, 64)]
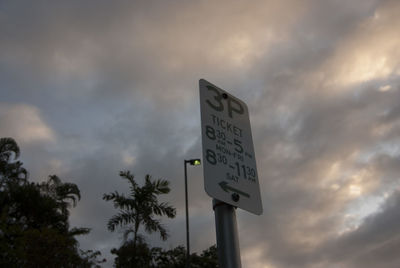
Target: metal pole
[(187, 221), (227, 235)]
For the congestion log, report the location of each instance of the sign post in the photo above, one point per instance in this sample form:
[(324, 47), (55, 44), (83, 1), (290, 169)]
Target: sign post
[(230, 172), (227, 235)]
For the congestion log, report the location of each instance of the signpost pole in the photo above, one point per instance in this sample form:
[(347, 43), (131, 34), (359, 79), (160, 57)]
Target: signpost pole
[(227, 235)]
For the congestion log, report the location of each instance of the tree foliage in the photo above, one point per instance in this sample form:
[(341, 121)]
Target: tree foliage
[(141, 207), (157, 257), (34, 218), (11, 170), (130, 255)]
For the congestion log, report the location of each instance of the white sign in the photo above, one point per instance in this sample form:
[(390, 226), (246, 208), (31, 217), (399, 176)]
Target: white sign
[(230, 172)]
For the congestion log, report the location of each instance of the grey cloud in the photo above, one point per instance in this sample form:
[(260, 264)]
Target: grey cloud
[(318, 128), (372, 244), (122, 78)]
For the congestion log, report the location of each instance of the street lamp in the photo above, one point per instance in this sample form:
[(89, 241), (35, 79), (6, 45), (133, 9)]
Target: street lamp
[(192, 162)]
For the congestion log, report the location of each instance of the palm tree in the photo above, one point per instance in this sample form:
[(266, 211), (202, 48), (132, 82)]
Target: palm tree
[(140, 207)]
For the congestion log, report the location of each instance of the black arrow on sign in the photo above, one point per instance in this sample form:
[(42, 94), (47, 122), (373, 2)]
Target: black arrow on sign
[(224, 185)]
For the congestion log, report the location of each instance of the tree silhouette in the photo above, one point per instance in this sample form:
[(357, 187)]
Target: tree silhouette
[(11, 170), (34, 218), (157, 257), (129, 255), (140, 207), (66, 195)]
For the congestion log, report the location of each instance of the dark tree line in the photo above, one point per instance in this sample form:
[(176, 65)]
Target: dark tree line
[(157, 257), (34, 218), (35, 229)]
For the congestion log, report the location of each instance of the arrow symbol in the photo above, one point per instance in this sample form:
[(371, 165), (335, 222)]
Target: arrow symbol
[(224, 185)]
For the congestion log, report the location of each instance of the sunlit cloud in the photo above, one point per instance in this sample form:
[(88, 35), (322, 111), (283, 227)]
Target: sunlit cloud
[(385, 88), (362, 181), (371, 53), (355, 190), (364, 66), (251, 258), (24, 123), (240, 50)]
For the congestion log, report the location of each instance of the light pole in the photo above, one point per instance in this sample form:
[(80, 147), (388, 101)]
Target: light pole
[(192, 162)]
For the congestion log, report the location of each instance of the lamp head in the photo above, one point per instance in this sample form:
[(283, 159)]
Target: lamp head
[(194, 162)]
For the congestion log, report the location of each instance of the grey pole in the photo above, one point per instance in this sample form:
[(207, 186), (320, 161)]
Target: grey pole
[(227, 235), (187, 221)]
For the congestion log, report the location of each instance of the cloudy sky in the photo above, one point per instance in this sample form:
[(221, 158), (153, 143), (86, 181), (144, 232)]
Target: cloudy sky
[(89, 88)]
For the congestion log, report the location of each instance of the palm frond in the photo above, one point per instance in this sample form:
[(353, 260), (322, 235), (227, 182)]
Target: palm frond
[(162, 186), (68, 191), (153, 225), (131, 178), (120, 201), (122, 218), (164, 209)]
